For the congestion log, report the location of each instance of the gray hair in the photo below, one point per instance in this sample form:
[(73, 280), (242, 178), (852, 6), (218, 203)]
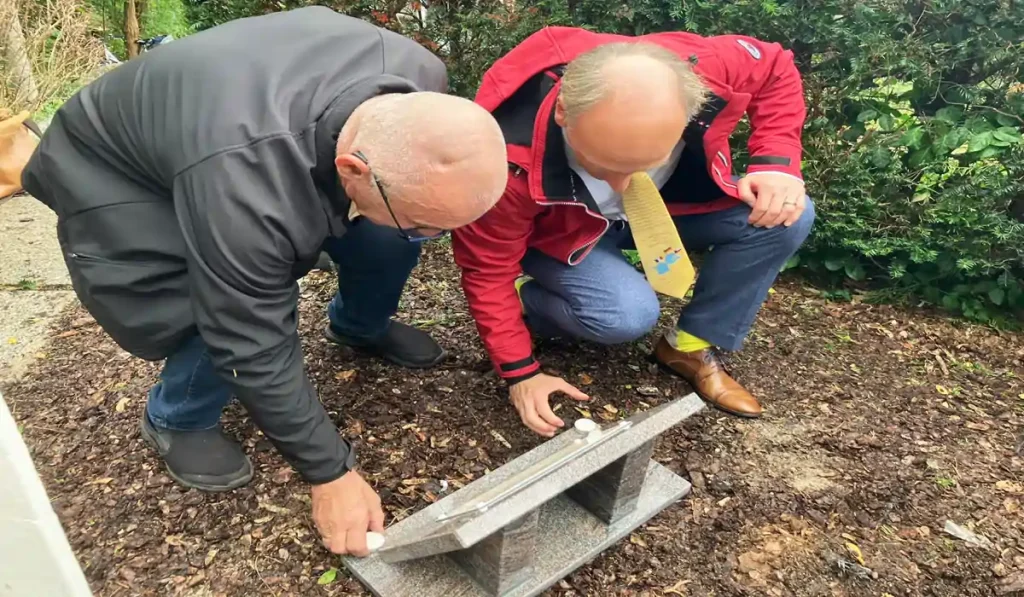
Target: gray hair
[(585, 84)]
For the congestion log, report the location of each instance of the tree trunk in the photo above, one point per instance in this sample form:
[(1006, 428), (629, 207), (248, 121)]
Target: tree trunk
[(16, 57), (131, 29)]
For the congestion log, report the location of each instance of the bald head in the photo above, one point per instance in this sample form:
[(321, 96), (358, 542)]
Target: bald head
[(624, 107), (440, 158)]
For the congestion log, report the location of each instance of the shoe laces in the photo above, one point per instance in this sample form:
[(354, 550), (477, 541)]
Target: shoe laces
[(714, 356)]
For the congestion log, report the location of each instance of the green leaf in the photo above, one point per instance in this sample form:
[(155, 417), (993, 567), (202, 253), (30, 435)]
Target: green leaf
[(855, 271), (328, 577), (1005, 120), (955, 138), (990, 152), (950, 301), (887, 123), (833, 265), (979, 141), (997, 295), (791, 262), (880, 157), (920, 157), (913, 138), (867, 115), (950, 114), (1007, 134)]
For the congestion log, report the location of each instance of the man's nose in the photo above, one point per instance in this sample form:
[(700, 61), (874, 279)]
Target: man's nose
[(618, 183)]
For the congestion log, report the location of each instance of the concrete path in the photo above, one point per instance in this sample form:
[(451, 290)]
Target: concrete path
[(34, 285)]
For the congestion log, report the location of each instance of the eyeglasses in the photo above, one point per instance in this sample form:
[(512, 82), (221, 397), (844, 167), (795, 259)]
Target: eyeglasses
[(412, 235)]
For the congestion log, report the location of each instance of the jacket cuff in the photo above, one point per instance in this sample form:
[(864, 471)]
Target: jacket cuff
[(326, 474), (517, 371), (782, 164)]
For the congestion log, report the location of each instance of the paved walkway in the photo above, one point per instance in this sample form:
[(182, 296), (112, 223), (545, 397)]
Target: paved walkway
[(34, 285)]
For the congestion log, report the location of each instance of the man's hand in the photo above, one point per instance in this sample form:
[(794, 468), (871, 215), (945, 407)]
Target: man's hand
[(776, 198), (530, 398), (343, 511)]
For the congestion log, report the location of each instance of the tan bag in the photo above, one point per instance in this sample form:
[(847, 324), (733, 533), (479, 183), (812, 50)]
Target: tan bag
[(19, 137)]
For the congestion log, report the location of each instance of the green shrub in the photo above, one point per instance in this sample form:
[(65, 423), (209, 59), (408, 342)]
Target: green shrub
[(914, 154)]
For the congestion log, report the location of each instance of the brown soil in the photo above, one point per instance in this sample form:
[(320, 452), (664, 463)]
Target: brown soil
[(881, 425)]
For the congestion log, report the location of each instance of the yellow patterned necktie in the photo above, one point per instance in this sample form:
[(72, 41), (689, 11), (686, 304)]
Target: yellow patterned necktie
[(662, 254)]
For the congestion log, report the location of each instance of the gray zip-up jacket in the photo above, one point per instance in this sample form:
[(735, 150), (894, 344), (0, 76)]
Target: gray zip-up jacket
[(194, 185)]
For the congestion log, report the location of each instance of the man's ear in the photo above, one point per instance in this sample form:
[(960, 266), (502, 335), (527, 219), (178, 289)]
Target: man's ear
[(560, 118), (350, 167)]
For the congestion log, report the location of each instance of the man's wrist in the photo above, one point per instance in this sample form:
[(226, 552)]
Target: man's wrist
[(511, 381)]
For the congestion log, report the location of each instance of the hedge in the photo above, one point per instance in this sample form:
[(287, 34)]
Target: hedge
[(914, 153)]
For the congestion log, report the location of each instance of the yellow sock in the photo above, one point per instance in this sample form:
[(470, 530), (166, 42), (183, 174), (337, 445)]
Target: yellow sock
[(519, 289), (685, 342)]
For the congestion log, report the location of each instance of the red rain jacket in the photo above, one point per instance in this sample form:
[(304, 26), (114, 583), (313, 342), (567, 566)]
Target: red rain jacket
[(545, 209)]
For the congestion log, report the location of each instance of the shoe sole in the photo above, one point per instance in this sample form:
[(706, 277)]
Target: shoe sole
[(334, 338), (147, 436), (706, 400)]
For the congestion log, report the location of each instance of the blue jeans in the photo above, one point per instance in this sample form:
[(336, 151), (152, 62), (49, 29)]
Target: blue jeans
[(606, 300), (373, 265)]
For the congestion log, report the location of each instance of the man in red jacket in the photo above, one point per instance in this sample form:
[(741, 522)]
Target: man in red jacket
[(582, 113)]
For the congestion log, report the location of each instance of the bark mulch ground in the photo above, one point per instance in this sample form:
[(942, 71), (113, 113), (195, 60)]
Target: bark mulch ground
[(881, 425)]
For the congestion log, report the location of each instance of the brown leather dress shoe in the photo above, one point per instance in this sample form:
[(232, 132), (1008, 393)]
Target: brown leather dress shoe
[(705, 372)]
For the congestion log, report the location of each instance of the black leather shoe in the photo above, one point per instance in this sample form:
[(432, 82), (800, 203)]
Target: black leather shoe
[(206, 460), (401, 344)]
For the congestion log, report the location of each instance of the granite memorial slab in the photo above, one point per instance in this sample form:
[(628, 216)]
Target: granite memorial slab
[(521, 528)]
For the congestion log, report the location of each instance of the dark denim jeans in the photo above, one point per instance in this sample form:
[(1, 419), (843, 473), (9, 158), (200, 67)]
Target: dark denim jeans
[(373, 264), (606, 300)]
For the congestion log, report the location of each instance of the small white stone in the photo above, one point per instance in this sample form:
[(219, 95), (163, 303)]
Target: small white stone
[(374, 541), (585, 425)]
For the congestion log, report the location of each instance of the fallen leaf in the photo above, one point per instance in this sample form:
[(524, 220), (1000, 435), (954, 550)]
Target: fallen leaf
[(67, 334), (1011, 505), (1009, 486), (942, 390), (175, 540), (345, 375), (328, 577), (610, 408), (637, 540), (853, 549), (585, 380), (12, 340), (978, 426), (1011, 584), (122, 404), (102, 481), (584, 412), (501, 439), (648, 391), (679, 588), (282, 475), (210, 556), (414, 482), (275, 509)]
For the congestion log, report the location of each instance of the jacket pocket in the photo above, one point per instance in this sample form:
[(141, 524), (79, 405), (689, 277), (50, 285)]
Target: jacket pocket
[(143, 305)]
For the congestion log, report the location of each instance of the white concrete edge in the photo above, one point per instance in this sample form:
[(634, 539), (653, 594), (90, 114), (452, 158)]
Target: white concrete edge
[(28, 512)]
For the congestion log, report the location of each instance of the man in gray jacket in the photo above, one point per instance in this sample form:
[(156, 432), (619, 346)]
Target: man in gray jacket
[(194, 186)]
